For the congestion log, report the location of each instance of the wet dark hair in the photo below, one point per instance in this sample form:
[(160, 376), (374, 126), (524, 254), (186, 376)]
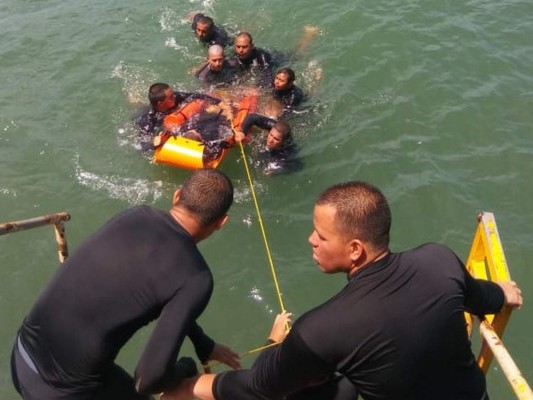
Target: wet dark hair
[(285, 130), (287, 71), (245, 34), (156, 93), (362, 212), (204, 19), (207, 194)]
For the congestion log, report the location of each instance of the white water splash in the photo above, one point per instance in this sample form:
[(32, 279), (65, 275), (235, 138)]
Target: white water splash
[(10, 125), (206, 6), (134, 191), (8, 192), (312, 75), (255, 294), (247, 220), (172, 44), (136, 81), (243, 194), (170, 20)]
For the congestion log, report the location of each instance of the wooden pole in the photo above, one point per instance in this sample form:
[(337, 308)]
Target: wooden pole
[(56, 219), (16, 226), (509, 368), (61, 239)]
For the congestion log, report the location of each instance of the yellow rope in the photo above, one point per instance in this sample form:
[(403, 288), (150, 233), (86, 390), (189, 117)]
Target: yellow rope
[(208, 366), (262, 227), (247, 353)]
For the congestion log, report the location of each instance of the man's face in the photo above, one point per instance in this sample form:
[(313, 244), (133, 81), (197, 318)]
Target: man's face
[(281, 81), (202, 31), (169, 102), (274, 139), (243, 47), (331, 251), (216, 62)]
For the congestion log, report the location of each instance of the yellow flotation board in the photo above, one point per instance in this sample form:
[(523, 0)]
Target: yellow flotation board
[(182, 152)]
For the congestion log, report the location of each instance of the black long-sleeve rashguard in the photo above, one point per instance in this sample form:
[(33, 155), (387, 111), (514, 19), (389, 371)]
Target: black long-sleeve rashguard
[(396, 331), (289, 98), (274, 161), (140, 266), (258, 64)]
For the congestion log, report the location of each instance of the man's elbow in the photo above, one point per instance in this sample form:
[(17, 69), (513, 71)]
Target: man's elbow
[(146, 387)]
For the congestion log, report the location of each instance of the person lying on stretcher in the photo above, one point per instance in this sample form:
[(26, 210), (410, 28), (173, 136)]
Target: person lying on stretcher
[(211, 125)]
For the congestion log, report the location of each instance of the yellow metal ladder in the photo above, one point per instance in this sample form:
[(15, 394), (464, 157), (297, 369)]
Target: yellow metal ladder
[(487, 261)]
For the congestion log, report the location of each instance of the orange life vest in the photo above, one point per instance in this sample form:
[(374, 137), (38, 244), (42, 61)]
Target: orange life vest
[(173, 121), (247, 105)]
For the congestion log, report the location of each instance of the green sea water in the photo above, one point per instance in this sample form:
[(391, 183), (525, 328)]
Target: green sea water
[(431, 101)]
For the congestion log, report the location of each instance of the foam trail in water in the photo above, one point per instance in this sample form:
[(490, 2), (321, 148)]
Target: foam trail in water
[(134, 191), (183, 50), (312, 75), (170, 20)]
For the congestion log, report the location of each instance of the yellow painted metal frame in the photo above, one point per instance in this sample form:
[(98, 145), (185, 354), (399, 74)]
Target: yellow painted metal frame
[(487, 261)]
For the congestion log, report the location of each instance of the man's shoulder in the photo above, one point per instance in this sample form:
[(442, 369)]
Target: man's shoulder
[(220, 36), (235, 60), (298, 92), (202, 72), (432, 247), (263, 54), (231, 63), (142, 210), (433, 251), (133, 215)]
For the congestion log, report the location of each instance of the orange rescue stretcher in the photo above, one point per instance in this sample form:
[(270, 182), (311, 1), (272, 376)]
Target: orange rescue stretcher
[(186, 153)]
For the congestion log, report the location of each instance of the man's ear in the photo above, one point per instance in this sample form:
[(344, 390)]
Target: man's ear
[(222, 221), (175, 197), (357, 250)]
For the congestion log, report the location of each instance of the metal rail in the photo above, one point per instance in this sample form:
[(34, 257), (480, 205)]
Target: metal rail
[(57, 220)]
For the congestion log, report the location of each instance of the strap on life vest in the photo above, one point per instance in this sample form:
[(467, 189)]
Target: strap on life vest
[(247, 105)]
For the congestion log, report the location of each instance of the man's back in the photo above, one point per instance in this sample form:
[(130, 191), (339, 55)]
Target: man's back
[(118, 280)]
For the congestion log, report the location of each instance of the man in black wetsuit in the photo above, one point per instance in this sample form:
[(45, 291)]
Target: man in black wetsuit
[(285, 91), (280, 153), (163, 101), (252, 60), (217, 71), (142, 265), (396, 331), (207, 32)]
